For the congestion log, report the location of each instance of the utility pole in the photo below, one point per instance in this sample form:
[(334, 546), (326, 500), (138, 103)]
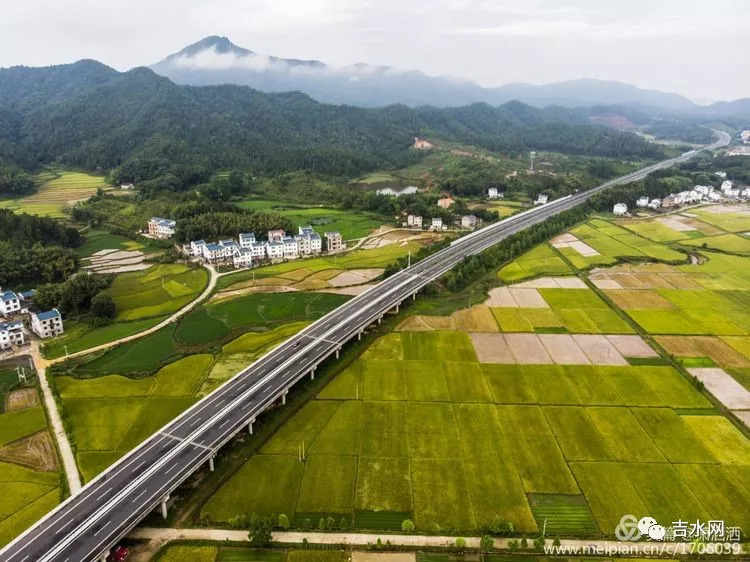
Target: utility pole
[(408, 265)]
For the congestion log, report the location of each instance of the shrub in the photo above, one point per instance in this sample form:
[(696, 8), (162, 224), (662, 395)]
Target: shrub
[(260, 531), (283, 522), (407, 526), (460, 544), (524, 543), (486, 543)]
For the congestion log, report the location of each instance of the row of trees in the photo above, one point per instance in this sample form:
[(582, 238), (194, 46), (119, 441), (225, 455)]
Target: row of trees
[(30, 265), (216, 224), (79, 294), (22, 229)]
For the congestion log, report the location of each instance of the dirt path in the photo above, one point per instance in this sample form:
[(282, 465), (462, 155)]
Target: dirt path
[(58, 430), (214, 276), (292, 537)]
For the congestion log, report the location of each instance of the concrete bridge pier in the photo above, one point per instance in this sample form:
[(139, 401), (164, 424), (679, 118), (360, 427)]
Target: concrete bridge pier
[(338, 350), (380, 318), (250, 426), (283, 397), (414, 296), (359, 335), (211, 462), (164, 501), (312, 373)]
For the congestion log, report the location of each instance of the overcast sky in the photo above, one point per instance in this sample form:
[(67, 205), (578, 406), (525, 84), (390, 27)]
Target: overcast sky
[(697, 48)]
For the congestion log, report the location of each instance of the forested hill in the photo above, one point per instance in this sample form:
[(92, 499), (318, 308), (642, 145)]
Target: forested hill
[(88, 115)]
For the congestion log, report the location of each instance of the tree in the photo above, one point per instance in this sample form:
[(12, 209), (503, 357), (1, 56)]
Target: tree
[(322, 524), (539, 543), (486, 543), (524, 542), (513, 545), (283, 522), (556, 542), (344, 524), (102, 306), (330, 522), (460, 544), (407, 526), (260, 531), (307, 524)]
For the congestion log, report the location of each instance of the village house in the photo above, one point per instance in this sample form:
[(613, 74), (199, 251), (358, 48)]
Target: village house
[(668, 202), (10, 303), (541, 199), (620, 209), (726, 186), (126, 186), (242, 257), (47, 324), (714, 196), (306, 230), (196, 247), (642, 202), (291, 249), (11, 333), (247, 239), (722, 175), (469, 221), (414, 221), (274, 250), (334, 241), (493, 193), (308, 241), (161, 228), (445, 202), (654, 204), (437, 223), (275, 235), (258, 250)]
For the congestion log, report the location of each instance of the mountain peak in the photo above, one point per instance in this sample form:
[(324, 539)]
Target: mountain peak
[(219, 44)]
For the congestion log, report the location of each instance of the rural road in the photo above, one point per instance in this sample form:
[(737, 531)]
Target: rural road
[(58, 429), (164, 536)]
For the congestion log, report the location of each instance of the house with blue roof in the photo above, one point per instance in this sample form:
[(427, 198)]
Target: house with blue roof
[(161, 228), (47, 324), (10, 303), (11, 333)]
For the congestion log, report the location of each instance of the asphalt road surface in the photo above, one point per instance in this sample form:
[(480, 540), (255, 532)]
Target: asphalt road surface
[(88, 524)]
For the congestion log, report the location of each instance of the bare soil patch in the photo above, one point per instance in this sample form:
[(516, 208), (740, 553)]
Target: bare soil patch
[(563, 349), (606, 284), (599, 350), (727, 390), (21, 399), (632, 346), (352, 291), (354, 277), (527, 349), (383, 556), (492, 348), (676, 223), (500, 297), (552, 283), (35, 451), (528, 298)]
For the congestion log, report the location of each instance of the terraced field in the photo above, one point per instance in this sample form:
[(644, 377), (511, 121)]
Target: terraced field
[(57, 190)]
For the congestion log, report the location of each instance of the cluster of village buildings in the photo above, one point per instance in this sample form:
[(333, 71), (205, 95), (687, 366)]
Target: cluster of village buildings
[(13, 306), (699, 194), (469, 222), (278, 246)]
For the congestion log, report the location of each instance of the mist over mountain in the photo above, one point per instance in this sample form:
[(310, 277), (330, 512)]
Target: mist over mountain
[(216, 60)]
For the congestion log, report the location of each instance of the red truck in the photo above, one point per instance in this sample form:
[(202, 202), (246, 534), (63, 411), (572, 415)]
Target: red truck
[(117, 554)]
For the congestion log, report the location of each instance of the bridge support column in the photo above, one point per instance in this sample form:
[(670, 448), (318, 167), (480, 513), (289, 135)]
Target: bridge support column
[(380, 318), (250, 426), (359, 335), (312, 374), (397, 307), (283, 398), (103, 557), (211, 463), (414, 296), (164, 501), (338, 350)]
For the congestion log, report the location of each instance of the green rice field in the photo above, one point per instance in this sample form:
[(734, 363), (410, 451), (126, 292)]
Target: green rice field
[(540, 260), (416, 413), (56, 191)]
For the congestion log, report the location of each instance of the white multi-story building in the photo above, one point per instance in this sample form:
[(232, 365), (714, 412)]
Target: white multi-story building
[(304, 245), (726, 186), (541, 199), (47, 324), (258, 250), (247, 239), (642, 202), (274, 250), (654, 204), (493, 193), (335, 242), (11, 333), (276, 235), (437, 223), (10, 303), (219, 252), (714, 196), (469, 221), (291, 249), (196, 247), (722, 175), (161, 228), (316, 243), (414, 220), (306, 230), (242, 257), (620, 209)]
